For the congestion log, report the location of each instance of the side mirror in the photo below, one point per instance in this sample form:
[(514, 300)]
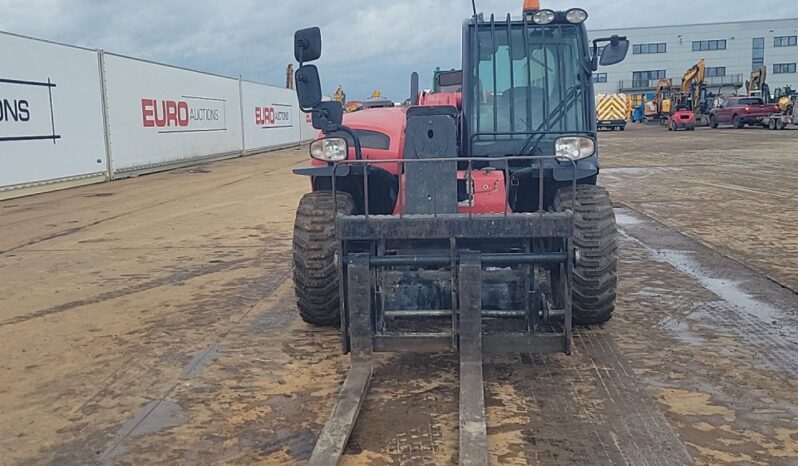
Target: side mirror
[(328, 116), (307, 44), (308, 87), (614, 52)]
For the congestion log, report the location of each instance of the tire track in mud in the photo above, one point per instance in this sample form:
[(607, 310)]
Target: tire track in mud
[(713, 248), (171, 279), (739, 309), (719, 351), (587, 408), (144, 208), (109, 444)]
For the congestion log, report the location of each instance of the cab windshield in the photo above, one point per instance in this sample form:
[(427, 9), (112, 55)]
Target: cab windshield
[(529, 81)]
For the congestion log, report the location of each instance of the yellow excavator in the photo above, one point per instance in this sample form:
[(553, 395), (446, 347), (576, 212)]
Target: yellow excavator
[(756, 86), (693, 91), (785, 97), (659, 109), (693, 83), (340, 95)]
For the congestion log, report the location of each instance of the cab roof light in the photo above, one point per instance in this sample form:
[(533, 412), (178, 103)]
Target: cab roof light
[(576, 15), (543, 17)]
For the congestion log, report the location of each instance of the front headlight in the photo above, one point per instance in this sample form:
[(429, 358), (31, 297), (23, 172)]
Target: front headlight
[(543, 17), (574, 147), (329, 149)]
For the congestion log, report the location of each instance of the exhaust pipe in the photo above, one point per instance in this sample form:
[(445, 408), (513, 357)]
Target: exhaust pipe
[(414, 88)]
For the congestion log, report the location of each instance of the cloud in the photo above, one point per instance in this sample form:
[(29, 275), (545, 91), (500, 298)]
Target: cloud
[(368, 44)]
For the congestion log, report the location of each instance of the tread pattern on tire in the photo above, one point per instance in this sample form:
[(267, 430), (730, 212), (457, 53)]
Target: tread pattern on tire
[(596, 276), (314, 249)]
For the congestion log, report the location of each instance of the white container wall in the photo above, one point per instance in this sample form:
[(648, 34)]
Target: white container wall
[(71, 116), (271, 116), (160, 116), (51, 122), (306, 130)]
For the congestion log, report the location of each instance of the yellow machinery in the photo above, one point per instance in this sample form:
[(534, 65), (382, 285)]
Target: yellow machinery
[(756, 85), (693, 84), (340, 95), (612, 111), (660, 108), (785, 98), (692, 92)]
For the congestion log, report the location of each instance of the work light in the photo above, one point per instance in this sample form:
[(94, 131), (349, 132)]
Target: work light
[(574, 147), (329, 149), (543, 17), (576, 15)]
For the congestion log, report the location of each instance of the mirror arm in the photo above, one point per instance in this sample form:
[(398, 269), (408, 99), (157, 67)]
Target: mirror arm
[(594, 56), (355, 139)]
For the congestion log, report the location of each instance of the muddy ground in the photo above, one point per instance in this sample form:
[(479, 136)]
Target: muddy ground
[(151, 321)]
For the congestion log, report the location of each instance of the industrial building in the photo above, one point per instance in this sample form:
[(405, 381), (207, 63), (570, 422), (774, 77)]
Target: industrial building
[(731, 50)]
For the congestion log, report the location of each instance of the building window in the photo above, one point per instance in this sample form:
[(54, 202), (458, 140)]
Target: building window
[(704, 45), (715, 72), (758, 53), (784, 68), (600, 77), (785, 41), (639, 49), (644, 78)]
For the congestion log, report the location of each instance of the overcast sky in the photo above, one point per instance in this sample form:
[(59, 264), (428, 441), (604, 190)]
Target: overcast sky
[(367, 43)]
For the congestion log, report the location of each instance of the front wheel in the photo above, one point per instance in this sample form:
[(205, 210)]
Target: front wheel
[(713, 121), (736, 122), (314, 254), (596, 273), (772, 124)]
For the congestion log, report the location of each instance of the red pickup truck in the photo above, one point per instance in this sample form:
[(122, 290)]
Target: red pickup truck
[(741, 111)]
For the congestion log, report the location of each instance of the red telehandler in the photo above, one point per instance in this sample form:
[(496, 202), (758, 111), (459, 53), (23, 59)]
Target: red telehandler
[(469, 221)]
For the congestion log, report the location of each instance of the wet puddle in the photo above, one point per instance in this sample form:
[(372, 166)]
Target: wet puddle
[(728, 290), (681, 330), (624, 219)]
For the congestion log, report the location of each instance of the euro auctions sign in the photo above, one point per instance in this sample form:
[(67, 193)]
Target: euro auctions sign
[(26, 110), (274, 116), (188, 114)]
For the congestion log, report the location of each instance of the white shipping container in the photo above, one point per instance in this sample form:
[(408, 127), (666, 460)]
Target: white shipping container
[(161, 116), (51, 122), (271, 116)]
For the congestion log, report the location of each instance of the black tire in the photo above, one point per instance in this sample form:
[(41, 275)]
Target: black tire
[(596, 273), (772, 124), (314, 250), (622, 128), (736, 122), (713, 121)]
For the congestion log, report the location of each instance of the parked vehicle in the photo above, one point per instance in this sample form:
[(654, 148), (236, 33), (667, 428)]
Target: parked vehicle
[(682, 119), (611, 111), (741, 111)]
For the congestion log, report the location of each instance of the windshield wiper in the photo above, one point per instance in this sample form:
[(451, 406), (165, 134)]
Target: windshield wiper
[(569, 101)]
